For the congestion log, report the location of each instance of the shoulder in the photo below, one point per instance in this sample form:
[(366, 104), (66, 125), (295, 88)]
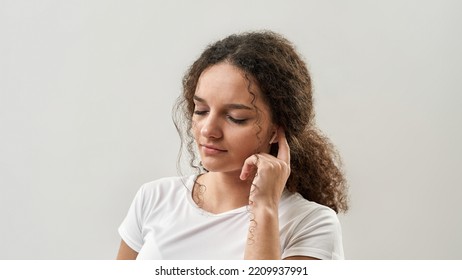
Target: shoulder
[(168, 183), (163, 190), (297, 203), (309, 229), (298, 210)]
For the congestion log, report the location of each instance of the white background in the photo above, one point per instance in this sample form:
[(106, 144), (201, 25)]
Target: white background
[(86, 90)]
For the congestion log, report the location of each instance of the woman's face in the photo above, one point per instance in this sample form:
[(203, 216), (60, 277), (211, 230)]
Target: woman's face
[(226, 125)]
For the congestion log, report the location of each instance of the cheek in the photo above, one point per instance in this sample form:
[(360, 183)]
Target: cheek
[(195, 134), (248, 142), (195, 128), (260, 141)]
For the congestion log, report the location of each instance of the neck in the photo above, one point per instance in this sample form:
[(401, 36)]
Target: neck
[(223, 191)]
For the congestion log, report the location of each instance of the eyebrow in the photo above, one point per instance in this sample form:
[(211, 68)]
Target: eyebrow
[(230, 106)]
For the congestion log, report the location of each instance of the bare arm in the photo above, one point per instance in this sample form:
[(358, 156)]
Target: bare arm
[(266, 190), (125, 252), (263, 236), (263, 241)]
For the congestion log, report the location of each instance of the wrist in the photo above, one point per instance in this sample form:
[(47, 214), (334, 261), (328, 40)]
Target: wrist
[(263, 203), (264, 209)]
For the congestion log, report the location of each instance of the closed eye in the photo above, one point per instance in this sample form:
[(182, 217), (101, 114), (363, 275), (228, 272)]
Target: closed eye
[(237, 121), (200, 113)]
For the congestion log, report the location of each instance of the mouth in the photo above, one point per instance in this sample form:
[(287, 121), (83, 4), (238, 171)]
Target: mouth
[(211, 149)]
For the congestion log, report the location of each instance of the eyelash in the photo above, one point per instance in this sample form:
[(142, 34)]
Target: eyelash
[(236, 121), (200, 113)]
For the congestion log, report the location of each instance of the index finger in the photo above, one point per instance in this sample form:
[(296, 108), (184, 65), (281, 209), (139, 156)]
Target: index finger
[(283, 147)]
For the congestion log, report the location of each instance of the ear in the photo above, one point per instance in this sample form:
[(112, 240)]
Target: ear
[(274, 136)]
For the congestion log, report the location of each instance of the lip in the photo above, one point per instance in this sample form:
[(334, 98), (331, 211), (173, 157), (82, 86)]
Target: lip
[(211, 149)]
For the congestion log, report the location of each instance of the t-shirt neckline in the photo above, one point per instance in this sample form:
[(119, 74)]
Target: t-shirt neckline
[(189, 190)]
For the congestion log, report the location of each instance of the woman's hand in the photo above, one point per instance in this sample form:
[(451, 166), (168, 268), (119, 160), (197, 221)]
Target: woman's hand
[(270, 177), (271, 174)]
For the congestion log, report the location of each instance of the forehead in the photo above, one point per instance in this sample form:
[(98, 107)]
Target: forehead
[(226, 83)]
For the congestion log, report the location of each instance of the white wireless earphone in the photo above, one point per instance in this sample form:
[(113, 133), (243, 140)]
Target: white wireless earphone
[(273, 138)]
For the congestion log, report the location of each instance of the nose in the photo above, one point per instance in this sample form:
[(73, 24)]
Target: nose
[(211, 127)]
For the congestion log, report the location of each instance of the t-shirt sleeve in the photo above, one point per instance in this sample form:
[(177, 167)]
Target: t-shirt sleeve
[(131, 228), (317, 235)]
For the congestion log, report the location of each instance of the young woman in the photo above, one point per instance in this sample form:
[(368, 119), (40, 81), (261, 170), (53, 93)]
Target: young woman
[(269, 184)]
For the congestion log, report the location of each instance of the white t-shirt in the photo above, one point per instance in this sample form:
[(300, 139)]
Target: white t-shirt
[(164, 222)]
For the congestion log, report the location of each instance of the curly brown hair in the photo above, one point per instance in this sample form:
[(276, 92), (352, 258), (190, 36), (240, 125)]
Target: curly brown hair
[(285, 84)]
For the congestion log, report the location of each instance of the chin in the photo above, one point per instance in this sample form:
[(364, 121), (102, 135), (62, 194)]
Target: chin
[(220, 167)]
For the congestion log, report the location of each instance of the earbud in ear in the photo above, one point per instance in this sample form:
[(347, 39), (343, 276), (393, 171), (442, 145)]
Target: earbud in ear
[(273, 138)]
